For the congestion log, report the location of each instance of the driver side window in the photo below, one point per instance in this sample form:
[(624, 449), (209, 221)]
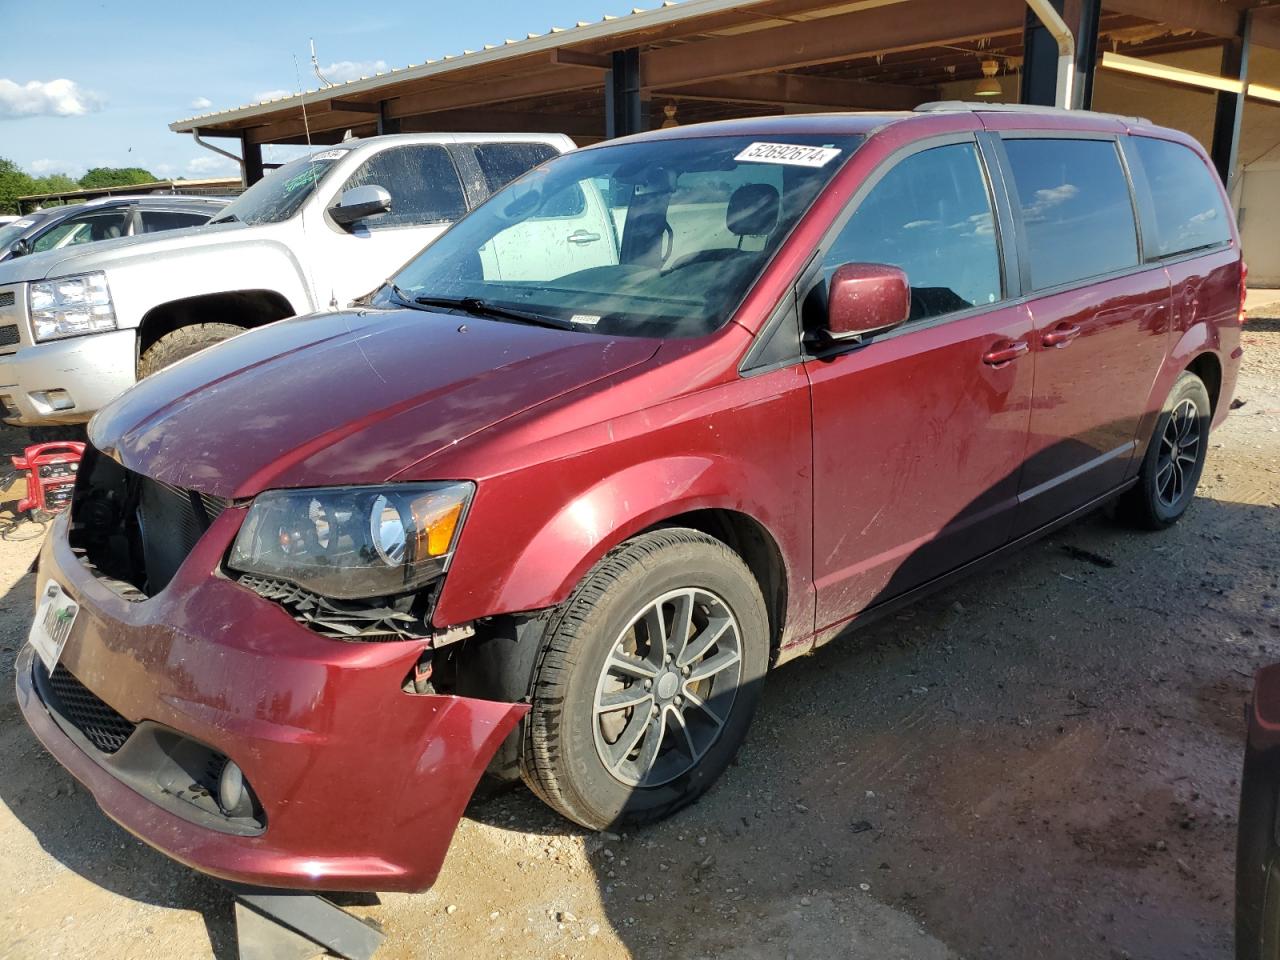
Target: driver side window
[(930, 216), (86, 228), (423, 184)]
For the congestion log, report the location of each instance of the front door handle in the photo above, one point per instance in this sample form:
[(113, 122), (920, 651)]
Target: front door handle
[(583, 236), (1061, 335), (1005, 353)]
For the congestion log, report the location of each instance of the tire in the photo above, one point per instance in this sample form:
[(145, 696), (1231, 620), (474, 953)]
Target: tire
[(1165, 486), (566, 742), (183, 342)]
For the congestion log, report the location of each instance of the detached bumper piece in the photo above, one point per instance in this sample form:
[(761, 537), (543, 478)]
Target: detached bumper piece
[(289, 925)]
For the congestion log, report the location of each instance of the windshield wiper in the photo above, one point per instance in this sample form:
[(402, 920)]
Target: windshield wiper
[(225, 218), (482, 308)]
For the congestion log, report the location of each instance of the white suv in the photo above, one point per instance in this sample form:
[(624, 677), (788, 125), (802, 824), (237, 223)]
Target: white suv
[(77, 326)]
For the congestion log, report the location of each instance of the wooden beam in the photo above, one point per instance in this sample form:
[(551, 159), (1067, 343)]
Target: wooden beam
[(921, 23), (578, 58), (792, 89), (479, 93), (1206, 16), (349, 106), (503, 121)]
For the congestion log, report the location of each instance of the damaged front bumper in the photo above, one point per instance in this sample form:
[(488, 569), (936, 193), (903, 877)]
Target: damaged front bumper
[(359, 785)]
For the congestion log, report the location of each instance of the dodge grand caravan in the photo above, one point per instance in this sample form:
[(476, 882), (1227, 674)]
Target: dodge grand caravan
[(557, 510)]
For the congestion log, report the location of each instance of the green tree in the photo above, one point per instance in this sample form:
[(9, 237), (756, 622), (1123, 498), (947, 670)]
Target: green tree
[(115, 177), (54, 183), (14, 183)]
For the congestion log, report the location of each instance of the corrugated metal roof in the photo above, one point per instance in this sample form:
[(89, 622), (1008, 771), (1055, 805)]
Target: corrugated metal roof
[(583, 31)]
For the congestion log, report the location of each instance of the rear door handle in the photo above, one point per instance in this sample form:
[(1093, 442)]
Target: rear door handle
[(1005, 353), (1061, 335), (583, 236)]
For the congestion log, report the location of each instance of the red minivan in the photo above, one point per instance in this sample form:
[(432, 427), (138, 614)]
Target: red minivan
[(659, 416)]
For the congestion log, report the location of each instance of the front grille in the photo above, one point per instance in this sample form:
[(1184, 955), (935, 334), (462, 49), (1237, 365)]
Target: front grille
[(133, 531), (7, 298), (171, 521), (80, 706), (9, 335)]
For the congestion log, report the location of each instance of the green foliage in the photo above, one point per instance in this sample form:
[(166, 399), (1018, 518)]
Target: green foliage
[(54, 183), (115, 177), (13, 184)]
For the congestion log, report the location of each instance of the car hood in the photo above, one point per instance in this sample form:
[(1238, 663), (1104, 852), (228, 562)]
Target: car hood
[(344, 398), (101, 254)]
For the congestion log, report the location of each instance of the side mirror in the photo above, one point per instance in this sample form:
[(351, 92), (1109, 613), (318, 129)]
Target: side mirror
[(360, 203), (864, 298), (20, 247)]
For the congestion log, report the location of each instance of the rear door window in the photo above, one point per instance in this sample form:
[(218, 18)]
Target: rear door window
[(155, 220), (500, 163), (930, 216), (1077, 212), (1188, 206), (422, 181)]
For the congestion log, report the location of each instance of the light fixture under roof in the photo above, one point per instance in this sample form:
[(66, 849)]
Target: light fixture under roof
[(989, 86)]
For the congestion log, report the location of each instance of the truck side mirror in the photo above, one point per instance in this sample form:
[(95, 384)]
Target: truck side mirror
[(20, 247), (360, 203), (865, 298)]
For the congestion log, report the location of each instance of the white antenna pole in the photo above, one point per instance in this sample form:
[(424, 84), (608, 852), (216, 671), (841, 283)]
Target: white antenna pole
[(315, 65), (306, 125)]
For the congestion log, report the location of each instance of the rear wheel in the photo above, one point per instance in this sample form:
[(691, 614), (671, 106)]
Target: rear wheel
[(647, 682), (1175, 458), (183, 342)]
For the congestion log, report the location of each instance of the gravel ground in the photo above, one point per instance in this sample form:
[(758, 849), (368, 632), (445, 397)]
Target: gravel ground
[(1042, 761)]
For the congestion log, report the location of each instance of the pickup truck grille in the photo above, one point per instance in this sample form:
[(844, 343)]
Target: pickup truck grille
[(133, 531), (9, 335), (7, 298)]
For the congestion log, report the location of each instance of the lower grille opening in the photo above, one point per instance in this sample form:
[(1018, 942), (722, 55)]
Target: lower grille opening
[(105, 729), (389, 618)]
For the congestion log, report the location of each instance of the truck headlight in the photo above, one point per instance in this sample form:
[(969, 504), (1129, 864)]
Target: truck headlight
[(351, 543), (71, 306)]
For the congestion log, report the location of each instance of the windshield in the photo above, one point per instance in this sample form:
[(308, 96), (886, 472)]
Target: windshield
[(653, 239), (12, 231), (279, 194)]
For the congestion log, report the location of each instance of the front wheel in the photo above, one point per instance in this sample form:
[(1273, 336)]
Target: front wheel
[(1175, 458), (183, 342), (647, 682)]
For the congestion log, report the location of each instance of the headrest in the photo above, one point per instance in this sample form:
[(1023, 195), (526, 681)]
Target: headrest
[(753, 210)]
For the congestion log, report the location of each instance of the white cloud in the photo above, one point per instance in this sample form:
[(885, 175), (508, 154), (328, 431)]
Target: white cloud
[(343, 70), (45, 165), (52, 98), (210, 166), (271, 95), (201, 103)]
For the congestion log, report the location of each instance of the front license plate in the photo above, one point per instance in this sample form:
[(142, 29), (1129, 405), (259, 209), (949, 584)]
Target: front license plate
[(54, 618)]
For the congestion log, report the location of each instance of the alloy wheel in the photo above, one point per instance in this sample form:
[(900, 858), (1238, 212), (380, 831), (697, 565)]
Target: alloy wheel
[(667, 687), (1179, 453)]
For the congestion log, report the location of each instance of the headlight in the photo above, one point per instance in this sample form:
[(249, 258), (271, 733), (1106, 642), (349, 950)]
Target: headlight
[(350, 543), (71, 306)]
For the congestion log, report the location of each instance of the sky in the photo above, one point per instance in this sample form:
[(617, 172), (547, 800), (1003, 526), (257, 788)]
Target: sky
[(100, 83)]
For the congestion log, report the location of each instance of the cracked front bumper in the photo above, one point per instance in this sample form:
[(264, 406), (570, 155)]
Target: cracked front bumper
[(360, 784), (90, 371)]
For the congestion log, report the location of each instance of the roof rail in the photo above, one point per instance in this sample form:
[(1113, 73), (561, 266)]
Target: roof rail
[(964, 106)]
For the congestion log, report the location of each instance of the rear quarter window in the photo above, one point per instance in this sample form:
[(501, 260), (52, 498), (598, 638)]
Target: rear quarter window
[(1188, 208)]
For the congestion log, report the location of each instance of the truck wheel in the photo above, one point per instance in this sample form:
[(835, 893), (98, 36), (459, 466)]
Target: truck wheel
[(647, 681), (1174, 460), (183, 342)]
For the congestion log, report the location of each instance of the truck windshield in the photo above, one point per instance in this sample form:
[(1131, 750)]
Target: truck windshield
[(660, 238), (279, 194), (10, 232)]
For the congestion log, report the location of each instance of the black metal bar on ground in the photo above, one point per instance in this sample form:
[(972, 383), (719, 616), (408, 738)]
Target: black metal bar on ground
[(251, 154), (624, 107), (1086, 54), (1040, 61), (296, 925), (1230, 107)]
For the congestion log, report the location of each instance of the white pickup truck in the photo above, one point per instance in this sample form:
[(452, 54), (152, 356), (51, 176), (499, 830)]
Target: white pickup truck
[(77, 326)]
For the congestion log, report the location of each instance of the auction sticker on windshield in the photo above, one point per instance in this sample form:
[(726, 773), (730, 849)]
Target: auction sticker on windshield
[(54, 619), (791, 154)]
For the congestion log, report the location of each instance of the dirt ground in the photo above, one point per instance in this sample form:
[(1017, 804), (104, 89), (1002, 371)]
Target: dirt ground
[(1040, 762)]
